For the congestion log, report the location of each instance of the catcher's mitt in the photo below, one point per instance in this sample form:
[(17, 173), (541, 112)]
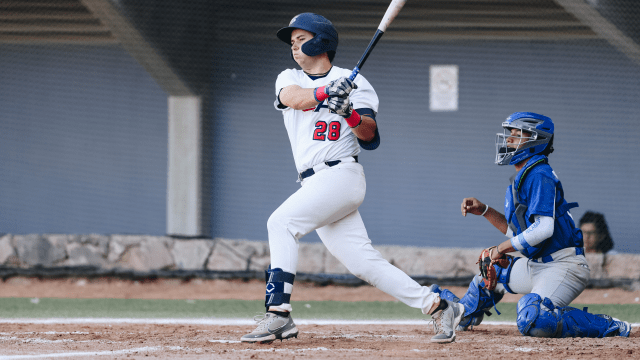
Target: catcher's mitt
[(487, 270)]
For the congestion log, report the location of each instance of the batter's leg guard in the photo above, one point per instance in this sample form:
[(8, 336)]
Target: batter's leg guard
[(279, 287)]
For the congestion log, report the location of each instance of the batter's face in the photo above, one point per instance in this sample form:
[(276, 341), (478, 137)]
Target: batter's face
[(517, 138), (299, 37)]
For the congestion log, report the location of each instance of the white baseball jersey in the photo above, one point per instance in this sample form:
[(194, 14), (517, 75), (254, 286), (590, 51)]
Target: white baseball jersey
[(316, 134)]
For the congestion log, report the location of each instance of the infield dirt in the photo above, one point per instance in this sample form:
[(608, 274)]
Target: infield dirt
[(180, 341)]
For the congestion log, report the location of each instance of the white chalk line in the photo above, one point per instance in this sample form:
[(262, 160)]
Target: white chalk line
[(91, 353), (230, 321), (219, 321)]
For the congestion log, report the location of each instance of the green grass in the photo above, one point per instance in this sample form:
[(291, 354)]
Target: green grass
[(136, 308)]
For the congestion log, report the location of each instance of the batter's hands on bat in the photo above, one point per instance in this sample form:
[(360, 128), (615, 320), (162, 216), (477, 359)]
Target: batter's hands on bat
[(340, 106), (341, 87), (472, 205)]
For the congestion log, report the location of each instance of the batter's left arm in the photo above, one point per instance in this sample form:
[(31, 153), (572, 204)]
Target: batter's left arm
[(366, 130), (362, 125)]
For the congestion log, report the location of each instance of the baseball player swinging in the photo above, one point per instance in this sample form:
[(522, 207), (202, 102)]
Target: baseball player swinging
[(328, 119), (539, 225)]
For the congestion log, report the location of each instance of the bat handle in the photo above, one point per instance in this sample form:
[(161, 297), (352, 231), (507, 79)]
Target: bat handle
[(354, 73)]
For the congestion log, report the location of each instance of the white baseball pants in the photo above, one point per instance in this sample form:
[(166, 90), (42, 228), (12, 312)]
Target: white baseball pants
[(328, 203)]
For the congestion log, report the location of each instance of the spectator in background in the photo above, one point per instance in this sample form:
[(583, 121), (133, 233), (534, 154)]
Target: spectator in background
[(595, 233)]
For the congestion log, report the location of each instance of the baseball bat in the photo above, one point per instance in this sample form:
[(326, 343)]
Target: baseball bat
[(392, 11)]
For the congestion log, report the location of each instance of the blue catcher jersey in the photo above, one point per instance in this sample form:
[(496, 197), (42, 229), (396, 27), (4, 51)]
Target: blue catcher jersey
[(539, 190)]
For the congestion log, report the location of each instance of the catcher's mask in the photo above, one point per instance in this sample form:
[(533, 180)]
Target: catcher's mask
[(539, 126)]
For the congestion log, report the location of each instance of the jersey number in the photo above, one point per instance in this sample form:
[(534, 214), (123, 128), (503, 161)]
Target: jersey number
[(321, 132)]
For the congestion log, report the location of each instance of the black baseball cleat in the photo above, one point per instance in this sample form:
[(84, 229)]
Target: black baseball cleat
[(271, 327)]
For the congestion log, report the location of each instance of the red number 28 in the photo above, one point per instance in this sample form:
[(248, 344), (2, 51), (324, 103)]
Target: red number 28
[(321, 128)]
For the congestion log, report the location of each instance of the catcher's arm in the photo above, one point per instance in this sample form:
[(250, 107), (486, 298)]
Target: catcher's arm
[(474, 206), (503, 248)]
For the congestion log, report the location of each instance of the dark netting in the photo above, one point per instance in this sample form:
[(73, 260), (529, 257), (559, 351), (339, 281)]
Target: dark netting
[(84, 87)]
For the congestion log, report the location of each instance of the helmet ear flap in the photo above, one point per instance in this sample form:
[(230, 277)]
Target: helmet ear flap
[(318, 45)]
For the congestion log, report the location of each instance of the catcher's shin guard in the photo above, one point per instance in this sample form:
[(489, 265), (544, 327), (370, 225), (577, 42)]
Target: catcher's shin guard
[(580, 323), (540, 318), (476, 303), (279, 287), (444, 293)]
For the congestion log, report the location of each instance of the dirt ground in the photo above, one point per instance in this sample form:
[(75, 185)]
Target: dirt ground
[(347, 341)]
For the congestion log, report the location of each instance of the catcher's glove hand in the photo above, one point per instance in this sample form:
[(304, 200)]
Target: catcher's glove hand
[(487, 270)]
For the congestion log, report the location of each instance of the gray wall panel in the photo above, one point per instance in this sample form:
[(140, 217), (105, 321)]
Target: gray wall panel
[(83, 142)]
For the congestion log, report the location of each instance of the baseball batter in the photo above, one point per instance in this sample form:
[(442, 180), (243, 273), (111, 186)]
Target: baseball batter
[(329, 119), (539, 225)]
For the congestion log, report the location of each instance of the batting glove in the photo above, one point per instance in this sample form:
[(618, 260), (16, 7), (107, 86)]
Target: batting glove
[(340, 106), (338, 87)]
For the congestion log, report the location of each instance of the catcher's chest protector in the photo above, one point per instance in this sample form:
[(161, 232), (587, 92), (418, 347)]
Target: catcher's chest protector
[(518, 223)]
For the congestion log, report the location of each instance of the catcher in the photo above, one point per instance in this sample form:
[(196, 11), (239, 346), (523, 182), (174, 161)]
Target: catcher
[(539, 225)]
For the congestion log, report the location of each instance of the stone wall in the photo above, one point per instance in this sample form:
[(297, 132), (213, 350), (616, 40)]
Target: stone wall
[(148, 253)]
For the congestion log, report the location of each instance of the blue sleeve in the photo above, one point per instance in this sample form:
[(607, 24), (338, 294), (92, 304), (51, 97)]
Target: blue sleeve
[(375, 142), (540, 191)]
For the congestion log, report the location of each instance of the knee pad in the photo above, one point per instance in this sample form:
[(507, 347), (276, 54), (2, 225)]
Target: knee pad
[(535, 320), (279, 287)]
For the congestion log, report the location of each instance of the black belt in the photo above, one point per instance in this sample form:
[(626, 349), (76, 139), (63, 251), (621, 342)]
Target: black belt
[(305, 174)]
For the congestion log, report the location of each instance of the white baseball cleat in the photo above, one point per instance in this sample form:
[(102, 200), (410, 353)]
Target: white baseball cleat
[(445, 322), (271, 327)]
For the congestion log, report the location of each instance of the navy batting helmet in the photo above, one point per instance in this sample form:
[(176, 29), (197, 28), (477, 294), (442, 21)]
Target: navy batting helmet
[(325, 35)]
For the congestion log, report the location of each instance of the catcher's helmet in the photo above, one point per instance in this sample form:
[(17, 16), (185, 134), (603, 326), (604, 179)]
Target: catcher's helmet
[(539, 126), (325, 35)]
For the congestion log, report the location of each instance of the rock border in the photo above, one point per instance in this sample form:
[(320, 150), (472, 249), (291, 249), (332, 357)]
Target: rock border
[(143, 254)]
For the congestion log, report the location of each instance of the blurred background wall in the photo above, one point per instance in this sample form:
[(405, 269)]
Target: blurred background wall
[(84, 134)]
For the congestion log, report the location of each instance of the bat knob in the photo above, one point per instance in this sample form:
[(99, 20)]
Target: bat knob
[(354, 73)]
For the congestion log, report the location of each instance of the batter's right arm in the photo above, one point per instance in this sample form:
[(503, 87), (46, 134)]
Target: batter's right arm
[(297, 98), (474, 206)]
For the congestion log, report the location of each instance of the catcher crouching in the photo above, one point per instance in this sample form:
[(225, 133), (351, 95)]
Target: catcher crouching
[(539, 225)]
